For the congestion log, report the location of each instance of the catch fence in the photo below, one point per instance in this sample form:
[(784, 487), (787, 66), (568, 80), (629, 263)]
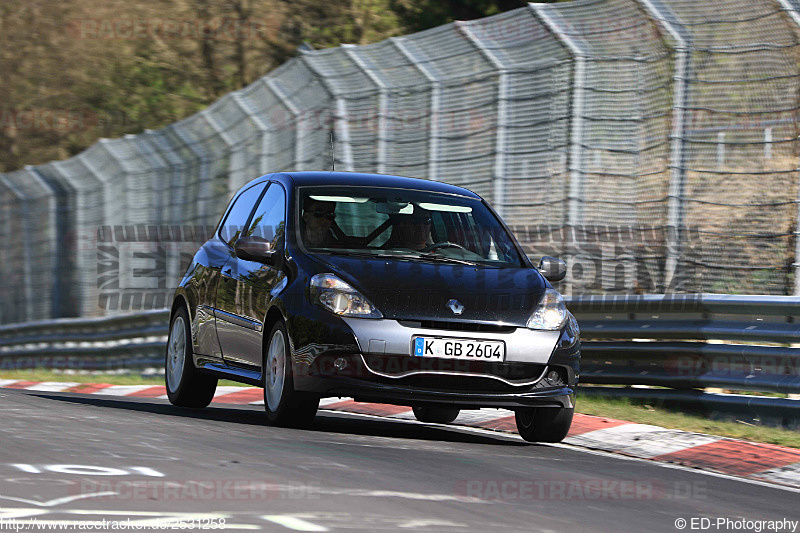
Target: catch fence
[(652, 144)]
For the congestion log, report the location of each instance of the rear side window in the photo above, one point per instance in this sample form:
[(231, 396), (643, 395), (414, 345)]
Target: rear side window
[(234, 223)]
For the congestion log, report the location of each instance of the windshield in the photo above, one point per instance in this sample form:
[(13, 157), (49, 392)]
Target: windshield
[(383, 222)]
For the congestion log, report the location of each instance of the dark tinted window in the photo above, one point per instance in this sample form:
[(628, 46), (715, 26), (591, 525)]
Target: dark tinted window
[(269, 219), (237, 217)]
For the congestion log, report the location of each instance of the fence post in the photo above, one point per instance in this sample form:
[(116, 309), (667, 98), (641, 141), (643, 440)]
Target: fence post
[(576, 187), (279, 94), (341, 126), (229, 143), (25, 271), (383, 104), (790, 8), (499, 171), (243, 103), (435, 109), (56, 244), (680, 101)]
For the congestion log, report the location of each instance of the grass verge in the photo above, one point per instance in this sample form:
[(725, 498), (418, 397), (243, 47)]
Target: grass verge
[(619, 408), (641, 413)]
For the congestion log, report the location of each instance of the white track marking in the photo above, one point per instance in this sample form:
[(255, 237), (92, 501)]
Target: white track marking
[(51, 386), (608, 455), (640, 440), (329, 401), (7, 382), (10, 514), (428, 524), (58, 501), (26, 468), (294, 523), (122, 390), (146, 471), (789, 474), (222, 391)]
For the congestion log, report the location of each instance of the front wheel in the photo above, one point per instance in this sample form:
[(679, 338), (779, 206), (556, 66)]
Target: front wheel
[(284, 405), (544, 424), (437, 415), (186, 386)]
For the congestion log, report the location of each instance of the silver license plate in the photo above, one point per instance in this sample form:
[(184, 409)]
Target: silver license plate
[(449, 348)]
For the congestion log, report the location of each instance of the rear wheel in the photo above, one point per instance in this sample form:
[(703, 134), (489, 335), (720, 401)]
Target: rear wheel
[(186, 386), (284, 405), (438, 415), (544, 424)]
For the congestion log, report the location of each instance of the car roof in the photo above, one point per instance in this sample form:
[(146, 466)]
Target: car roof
[(374, 180)]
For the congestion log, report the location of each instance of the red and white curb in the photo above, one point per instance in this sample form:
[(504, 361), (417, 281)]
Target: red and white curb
[(762, 462)]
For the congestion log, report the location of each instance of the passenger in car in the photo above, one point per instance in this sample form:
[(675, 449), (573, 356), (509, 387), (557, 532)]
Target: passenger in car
[(318, 218), (411, 231)]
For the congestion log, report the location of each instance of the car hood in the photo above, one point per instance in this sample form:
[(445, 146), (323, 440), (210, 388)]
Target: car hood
[(421, 290)]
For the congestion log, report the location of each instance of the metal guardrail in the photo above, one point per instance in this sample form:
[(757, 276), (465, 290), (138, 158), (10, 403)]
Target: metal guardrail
[(687, 343), (124, 341), (693, 342)]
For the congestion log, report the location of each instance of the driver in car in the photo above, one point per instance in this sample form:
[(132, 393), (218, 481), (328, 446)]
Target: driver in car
[(318, 217)]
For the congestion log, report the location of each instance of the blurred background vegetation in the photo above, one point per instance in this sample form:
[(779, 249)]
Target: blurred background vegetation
[(69, 55)]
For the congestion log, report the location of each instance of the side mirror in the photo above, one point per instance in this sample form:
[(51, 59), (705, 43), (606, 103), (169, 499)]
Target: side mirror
[(553, 268), (255, 249)]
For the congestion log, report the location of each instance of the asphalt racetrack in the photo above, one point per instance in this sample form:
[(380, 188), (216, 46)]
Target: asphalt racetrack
[(78, 460)]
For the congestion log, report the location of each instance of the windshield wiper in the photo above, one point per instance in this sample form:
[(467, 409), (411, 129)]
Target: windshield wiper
[(422, 255), (444, 259), (353, 253)]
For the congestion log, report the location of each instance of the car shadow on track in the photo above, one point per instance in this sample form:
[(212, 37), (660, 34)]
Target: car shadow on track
[(326, 421)]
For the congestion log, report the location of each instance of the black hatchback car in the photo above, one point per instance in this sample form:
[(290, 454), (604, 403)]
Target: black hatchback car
[(381, 288)]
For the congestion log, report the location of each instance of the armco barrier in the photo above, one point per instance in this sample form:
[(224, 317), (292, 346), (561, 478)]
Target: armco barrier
[(692, 342), (124, 341), (686, 343)]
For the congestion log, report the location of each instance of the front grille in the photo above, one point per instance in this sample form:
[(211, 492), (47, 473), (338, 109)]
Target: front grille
[(456, 383), (456, 326), (398, 365)]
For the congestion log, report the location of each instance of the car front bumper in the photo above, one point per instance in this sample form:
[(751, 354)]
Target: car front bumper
[(364, 391), (379, 367)]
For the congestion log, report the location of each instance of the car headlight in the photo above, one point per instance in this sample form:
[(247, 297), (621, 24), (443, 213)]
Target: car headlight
[(339, 297), (551, 313)]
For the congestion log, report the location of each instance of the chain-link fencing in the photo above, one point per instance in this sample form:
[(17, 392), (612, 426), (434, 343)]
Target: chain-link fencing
[(652, 144)]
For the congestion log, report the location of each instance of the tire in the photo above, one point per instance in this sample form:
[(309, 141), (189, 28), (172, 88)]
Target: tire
[(544, 424), (284, 405), (438, 415), (186, 386)]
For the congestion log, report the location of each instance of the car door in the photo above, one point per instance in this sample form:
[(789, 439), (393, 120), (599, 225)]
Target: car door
[(209, 261), (245, 286), (230, 231)]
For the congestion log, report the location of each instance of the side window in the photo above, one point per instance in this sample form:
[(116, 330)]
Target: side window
[(269, 220), (237, 217)]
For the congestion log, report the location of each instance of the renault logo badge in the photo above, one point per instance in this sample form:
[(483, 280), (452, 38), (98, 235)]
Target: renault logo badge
[(456, 307)]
